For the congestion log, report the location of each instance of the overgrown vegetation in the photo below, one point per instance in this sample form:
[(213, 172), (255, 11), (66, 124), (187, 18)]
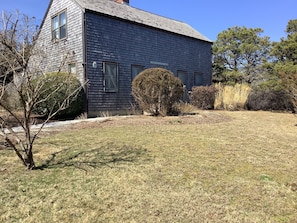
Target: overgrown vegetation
[(269, 99), (10, 97), (203, 97), (156, 90), (52, 96), (242, 55), (232, 97), (216, 166), (288, 77), (21, 57)]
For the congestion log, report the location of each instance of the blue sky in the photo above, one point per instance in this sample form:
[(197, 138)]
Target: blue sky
[(208, 17)]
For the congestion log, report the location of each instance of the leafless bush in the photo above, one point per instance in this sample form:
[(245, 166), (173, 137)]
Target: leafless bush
[(203, 97), (156, 90)]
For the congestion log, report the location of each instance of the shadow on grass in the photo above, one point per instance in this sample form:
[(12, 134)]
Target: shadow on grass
[(110, 155)]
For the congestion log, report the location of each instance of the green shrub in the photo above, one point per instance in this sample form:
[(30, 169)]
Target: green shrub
[(54, 88), (156, 90), (203, 97), (10, 97), (291, 90)]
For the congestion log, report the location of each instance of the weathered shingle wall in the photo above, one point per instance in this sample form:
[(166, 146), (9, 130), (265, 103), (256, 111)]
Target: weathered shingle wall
[(127, 43), (69, 50)]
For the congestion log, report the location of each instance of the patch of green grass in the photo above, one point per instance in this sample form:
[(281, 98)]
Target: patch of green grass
[(266, 178), (171, 169)]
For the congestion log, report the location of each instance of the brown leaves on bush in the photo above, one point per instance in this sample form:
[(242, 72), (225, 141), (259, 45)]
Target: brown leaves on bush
[(269, 100), (156, 90), (203, 97)]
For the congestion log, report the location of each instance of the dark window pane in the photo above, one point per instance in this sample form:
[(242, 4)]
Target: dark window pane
[(198, 79), (183, 76), (63, 32), (111, 77), (136, 70)]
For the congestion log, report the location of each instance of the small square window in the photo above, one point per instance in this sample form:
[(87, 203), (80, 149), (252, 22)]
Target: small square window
[(135, 70)]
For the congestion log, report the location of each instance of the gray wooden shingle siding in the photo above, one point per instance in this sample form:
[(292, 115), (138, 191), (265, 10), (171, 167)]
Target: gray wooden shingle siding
[(104, 31), (69, 49), (128, 43)]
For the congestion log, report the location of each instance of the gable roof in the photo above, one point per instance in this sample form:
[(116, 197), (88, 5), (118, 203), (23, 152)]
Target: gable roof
[(129, 13)]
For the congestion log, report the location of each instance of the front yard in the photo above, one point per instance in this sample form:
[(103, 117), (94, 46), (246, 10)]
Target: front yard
[(216, 166)]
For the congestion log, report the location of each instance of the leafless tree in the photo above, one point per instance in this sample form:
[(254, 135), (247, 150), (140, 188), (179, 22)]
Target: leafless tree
[(19, 71)]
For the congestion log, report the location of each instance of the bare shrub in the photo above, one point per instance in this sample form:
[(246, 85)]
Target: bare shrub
[(156, 90), (269, 99), (203, 97)]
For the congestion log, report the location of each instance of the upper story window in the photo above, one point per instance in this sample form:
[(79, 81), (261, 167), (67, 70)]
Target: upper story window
[(59, 26)]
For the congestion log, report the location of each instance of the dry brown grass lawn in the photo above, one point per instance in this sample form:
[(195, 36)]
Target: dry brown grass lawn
[(216, 166)]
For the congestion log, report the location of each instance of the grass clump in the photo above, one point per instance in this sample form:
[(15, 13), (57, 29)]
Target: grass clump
[(184, 108), (232, 98)]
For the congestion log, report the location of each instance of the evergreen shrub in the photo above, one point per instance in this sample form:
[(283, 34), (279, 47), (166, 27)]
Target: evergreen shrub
[(53, 89), (156, 90)]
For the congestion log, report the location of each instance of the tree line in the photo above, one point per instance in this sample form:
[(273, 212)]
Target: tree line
[(243, 55)]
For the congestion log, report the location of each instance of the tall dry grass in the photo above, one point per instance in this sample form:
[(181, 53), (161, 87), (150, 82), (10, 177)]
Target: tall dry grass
[(231, 97)]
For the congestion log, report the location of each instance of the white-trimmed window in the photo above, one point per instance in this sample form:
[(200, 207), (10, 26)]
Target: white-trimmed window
[(135, 70), (110, 72), (198, 79), (59, 26), (183, 76)]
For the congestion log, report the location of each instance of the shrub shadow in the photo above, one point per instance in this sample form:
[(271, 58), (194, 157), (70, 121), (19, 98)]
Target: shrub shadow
[(110, 155)]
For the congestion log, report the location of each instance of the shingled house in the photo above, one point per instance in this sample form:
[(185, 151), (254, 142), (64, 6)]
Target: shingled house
[(108, 43)]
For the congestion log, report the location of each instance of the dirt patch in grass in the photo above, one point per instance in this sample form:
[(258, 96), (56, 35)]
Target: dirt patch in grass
[(202, 117)]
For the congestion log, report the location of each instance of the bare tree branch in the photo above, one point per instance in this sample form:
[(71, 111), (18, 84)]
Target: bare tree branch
[(17, 45)]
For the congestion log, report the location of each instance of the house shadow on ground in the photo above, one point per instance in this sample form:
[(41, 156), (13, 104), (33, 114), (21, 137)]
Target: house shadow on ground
[(110, 155)]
